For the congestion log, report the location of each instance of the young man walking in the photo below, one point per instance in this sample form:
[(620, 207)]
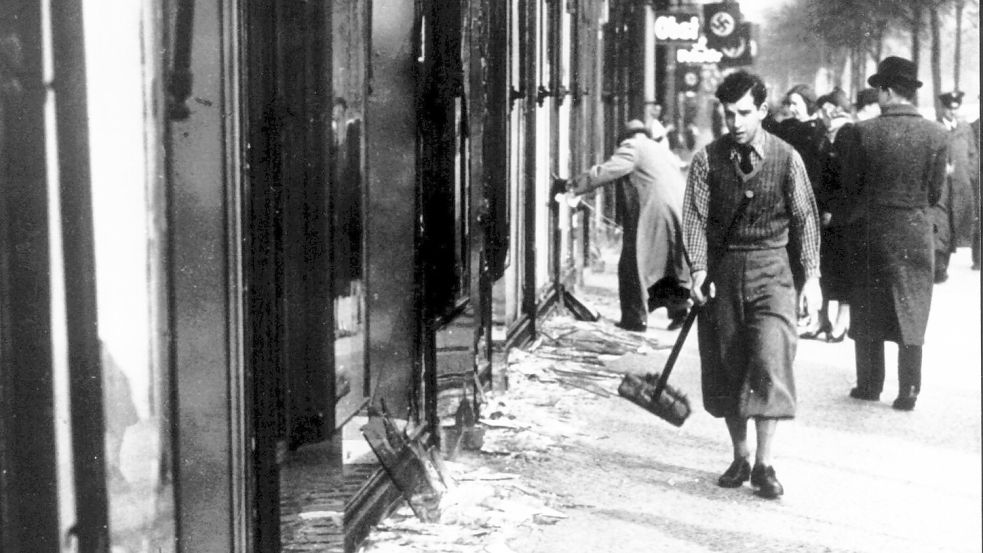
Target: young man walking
[(747, 329)]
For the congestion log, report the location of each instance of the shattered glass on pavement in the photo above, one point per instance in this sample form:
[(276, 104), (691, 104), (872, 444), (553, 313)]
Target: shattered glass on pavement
[(482, 507)]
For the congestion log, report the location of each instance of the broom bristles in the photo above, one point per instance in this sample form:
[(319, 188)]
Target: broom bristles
[(671, 405)]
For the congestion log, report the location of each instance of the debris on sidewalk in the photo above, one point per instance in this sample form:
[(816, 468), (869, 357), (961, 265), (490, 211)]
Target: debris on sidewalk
[(480, 511), (566, 336), (462, 432), (412, 466), (481, 507), (580, 309)]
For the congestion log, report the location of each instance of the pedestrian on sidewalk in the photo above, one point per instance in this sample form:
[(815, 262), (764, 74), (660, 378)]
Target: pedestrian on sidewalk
[(805, 131), (895, 166), (835, 209), (959, 215), (652, 269), (747, 334)]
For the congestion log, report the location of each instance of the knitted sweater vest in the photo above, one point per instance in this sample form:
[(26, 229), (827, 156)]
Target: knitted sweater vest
[(765, 223)]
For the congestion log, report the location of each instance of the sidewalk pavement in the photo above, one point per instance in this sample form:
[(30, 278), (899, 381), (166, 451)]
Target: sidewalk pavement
[(569, 466)]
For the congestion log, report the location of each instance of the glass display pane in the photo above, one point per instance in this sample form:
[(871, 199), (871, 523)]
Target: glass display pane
[(125, 157), (349, 25), (544, 116)]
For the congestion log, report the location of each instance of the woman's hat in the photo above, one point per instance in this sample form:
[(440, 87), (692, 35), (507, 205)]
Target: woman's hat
[(837, 97), (895, 70)]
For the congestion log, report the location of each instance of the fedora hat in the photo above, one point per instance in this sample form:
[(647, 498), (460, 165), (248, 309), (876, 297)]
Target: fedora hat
[(632, 127), (952, 100), (895, 70)]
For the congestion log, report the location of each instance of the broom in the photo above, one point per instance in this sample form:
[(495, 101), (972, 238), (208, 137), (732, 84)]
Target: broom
[(652, 391)]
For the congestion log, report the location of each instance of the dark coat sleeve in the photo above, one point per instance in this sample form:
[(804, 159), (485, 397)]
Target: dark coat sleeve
[(973, 154), (830, 195), (851, 163), (935, 171)]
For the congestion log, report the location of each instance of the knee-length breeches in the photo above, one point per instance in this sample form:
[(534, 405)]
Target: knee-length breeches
[(747, 336)]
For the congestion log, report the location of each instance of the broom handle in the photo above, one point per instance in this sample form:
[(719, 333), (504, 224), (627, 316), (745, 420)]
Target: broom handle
[(688, 323), (676, 348)]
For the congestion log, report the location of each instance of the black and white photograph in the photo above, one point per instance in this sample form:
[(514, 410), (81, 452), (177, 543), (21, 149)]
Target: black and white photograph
[(490, 276)]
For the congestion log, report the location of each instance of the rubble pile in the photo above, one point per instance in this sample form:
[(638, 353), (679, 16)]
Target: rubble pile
[(476, 514), (481, 507)]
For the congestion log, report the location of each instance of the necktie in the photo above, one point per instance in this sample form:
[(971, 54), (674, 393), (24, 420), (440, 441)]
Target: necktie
[(745, 154)]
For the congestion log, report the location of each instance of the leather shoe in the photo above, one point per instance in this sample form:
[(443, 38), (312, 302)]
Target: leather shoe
[(817, 333), (857, 393), (764, 479), (736, 474), (633, 327), (676, 322), (905, 403), (836, 338)]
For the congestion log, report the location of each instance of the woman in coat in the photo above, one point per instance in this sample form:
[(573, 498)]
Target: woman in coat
[(834, 212), (805, 132), (652, 270)]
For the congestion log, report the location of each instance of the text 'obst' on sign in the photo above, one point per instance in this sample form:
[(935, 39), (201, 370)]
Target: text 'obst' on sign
[(669, 27)]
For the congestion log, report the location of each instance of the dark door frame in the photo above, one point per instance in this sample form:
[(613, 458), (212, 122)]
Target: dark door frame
[(29, 475), (288, 322)]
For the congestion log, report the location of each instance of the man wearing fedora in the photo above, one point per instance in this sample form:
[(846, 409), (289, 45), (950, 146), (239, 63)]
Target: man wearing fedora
[(894, 167), (962, 187), (652, 270)]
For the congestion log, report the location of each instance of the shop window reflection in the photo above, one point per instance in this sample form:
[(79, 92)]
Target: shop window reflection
[(349, 311), (125, 160)]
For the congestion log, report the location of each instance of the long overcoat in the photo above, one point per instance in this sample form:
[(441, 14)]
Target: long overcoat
[(963, 158), (656, 195), (895, 170)]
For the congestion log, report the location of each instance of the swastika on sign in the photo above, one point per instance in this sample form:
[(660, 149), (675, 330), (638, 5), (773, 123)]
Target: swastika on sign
[(722, 24)]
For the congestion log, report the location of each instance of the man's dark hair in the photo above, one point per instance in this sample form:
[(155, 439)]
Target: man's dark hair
[(905, 91), (737, 84)]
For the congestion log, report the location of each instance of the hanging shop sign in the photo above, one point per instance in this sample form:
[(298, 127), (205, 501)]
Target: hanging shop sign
[(688, 77), (741, 50), (720, 23), (677, 27), (698, 53)]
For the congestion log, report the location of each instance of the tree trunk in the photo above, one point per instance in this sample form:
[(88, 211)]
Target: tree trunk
[(857, 61), (936, 24), (879, 44), (916, 37), (959, 43)]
